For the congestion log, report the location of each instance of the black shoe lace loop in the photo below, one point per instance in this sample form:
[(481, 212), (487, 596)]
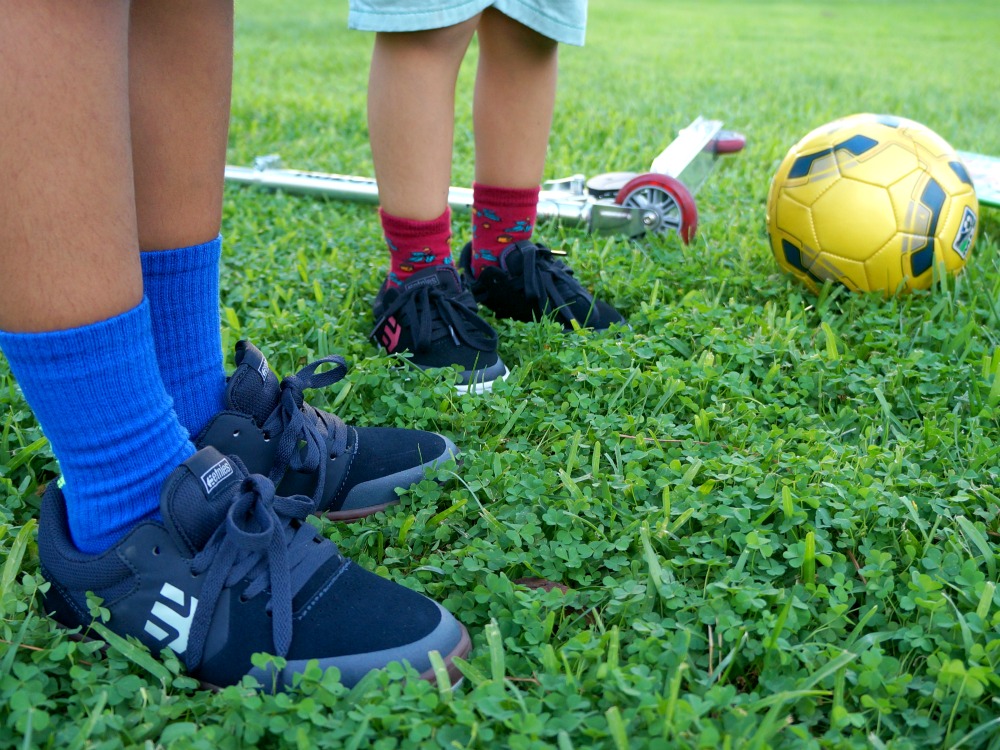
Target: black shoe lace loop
[(545, 280), (308, 436), (432, 311), (263, 538)]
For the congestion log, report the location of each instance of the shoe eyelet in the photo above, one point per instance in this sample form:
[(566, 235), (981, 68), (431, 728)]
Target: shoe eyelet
[(194, 574), (243, 599), (156, 550), (236, 433), (267, 437), (333, 456)]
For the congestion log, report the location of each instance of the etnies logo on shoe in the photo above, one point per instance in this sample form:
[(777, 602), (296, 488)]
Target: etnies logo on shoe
[(215, 475), (422, 281), (170, 618), (390, 334)]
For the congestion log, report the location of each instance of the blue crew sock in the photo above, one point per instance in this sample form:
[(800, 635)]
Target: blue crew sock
[(183, 290), (97, 393)]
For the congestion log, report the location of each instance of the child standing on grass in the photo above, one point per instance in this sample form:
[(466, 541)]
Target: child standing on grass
[(423, 307)]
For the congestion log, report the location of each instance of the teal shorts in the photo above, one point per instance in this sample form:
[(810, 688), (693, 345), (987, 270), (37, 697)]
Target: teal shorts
[(564, 21)]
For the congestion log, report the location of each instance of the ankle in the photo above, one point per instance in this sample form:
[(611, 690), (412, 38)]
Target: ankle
[(500, 217), (416, 245)]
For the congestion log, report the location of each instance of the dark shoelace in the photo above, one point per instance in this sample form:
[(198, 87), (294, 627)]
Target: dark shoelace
[(265, 538), (308, 436), (431, 311), (546, 279)]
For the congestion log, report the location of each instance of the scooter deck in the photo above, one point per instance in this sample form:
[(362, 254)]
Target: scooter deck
[(689, 158), (985, 173)]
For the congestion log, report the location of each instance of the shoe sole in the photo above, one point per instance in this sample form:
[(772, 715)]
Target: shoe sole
[(460, 651), (482, 386), (418, 473), (357, 513)]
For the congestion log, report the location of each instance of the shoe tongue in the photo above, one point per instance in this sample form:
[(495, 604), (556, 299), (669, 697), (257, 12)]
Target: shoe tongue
[(512, 259), (252, 389), (443, 276), (197, 496)]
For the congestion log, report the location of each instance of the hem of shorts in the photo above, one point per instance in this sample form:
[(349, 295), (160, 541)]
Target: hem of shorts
[(534, 17), (529, 14)]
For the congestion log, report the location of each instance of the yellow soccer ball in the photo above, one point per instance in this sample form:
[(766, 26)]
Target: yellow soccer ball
[(872, 202)]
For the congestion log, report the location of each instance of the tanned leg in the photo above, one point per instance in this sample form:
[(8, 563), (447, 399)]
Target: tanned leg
[(180, 77), (411, 117), (68, 249), (514, 100)]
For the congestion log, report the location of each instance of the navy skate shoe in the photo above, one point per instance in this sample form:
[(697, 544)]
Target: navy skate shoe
[(233, 570), (350, 472), (531, 283), (432, 316)]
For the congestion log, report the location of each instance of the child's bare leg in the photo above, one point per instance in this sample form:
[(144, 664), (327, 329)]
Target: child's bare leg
[(515, 96), (411, 114), (411, 117), (515, 93), (73, 324), (68, 250), (180, 77), (514, 99)]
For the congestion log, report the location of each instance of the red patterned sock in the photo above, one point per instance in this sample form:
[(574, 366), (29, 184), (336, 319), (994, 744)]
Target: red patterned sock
[(500, 217), (416, 245)]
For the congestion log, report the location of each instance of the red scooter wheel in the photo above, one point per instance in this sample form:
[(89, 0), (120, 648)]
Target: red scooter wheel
[(667, 198)]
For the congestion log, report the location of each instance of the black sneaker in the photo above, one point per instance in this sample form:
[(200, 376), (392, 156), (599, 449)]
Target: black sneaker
[(234, 570), (350, 472), (435, 318), (530, 283)]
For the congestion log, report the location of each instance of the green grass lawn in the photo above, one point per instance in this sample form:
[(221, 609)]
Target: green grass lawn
[(775, 515)]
